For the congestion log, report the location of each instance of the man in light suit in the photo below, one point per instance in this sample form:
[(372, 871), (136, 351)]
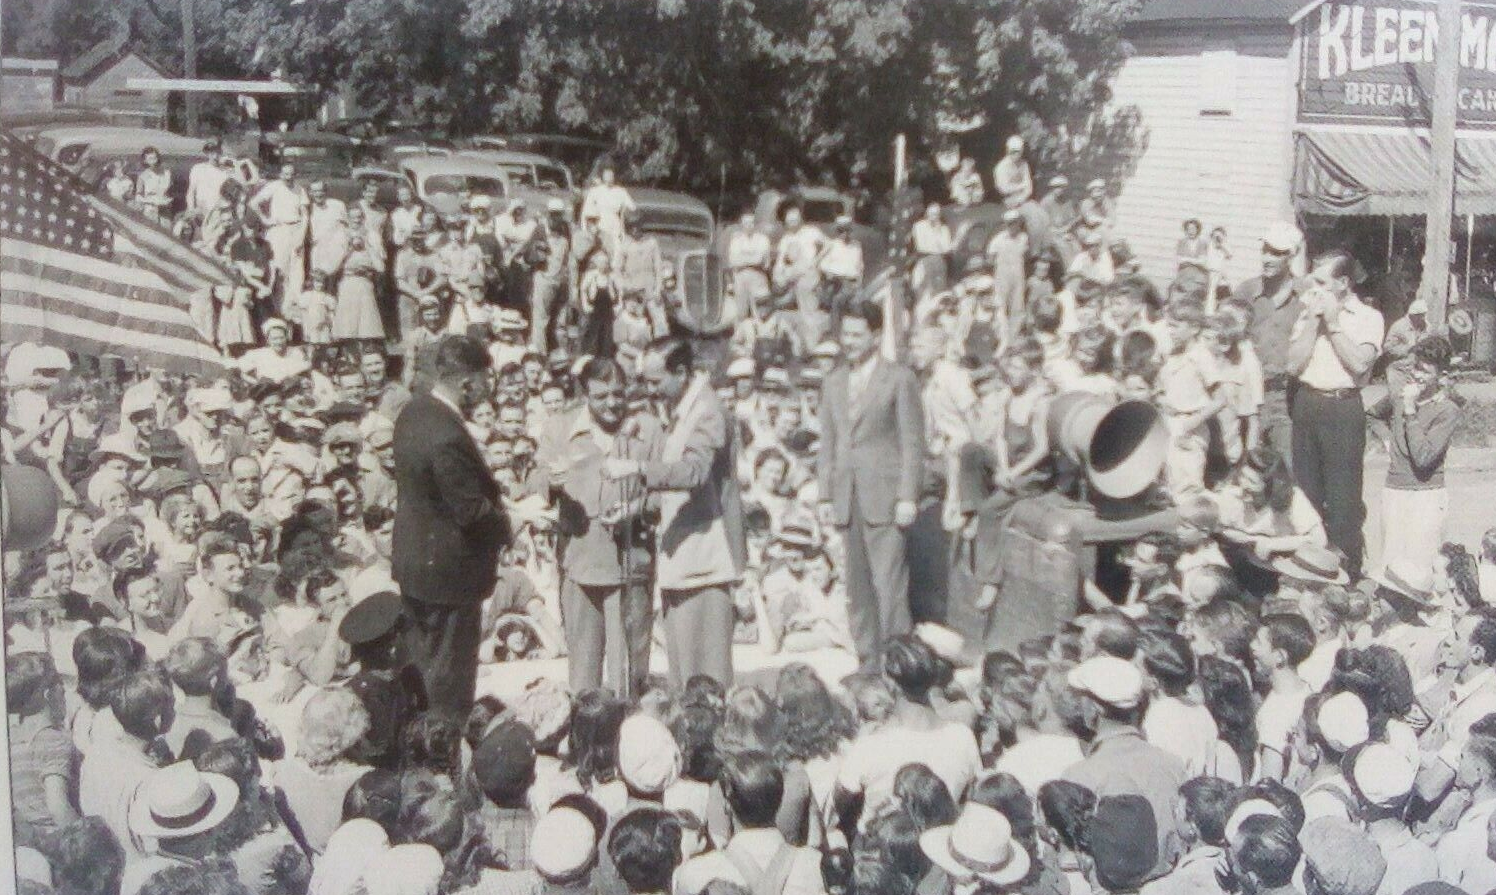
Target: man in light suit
[(449, 525), (872, 454), (701, 548)]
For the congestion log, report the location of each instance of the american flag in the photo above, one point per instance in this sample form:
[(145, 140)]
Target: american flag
[(887, 288), (80, 273)]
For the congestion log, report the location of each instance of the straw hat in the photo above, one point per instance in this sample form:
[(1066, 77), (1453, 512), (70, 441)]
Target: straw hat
[(978, 845), (179, 801)]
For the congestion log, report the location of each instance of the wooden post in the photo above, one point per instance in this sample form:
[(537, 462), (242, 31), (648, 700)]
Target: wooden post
[(1440, 206), (189, 64)]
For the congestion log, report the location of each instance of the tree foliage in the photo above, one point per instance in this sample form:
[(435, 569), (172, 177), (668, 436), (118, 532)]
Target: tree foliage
[(709, 94)]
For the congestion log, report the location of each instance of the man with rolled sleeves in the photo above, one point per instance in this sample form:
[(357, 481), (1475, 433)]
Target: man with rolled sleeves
[(1331, 350), (1276, 305), (871, 461), (604, 547)]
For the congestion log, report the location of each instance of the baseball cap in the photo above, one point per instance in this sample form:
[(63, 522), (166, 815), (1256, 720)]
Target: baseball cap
[(504, 761), (649, 759), (1110, 680), (564, 843), (1383, 774), (1343, 722), (1282, 237), (370, 617)]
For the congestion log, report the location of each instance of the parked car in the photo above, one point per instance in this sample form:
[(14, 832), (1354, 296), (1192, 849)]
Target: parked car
[(443, 181), (74, 146), (821, 206), (529, 170), (389, 149), (680, 223), (316, 155), (90, 152), (578, 154)]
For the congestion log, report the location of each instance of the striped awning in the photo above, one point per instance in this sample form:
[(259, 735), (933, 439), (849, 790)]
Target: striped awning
[(1375, 172)]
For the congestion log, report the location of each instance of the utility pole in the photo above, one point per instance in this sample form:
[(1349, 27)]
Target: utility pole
[(189, 63), (1440, 207)]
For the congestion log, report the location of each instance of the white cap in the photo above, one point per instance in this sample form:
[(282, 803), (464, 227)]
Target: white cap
[(1111, 680), (410, 869), (942, 641), (555, 205), (1015, 142), (1283, 237), (1383, 774), (210, 400), (1249, 808), (1419, 306), (50, 357), (740, 368), (1343, 722), (563, 844), (649, 759)]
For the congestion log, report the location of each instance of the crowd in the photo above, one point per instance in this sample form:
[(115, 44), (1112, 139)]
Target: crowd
[(209, 673)]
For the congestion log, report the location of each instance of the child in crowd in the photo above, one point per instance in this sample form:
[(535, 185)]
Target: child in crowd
[(1188, 394)]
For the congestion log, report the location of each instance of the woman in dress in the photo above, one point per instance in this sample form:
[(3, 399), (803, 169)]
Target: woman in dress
[(236, 329), (357, 317)]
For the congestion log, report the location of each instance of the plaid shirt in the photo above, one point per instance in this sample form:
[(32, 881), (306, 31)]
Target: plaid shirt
[(38, 751), (509, 831)]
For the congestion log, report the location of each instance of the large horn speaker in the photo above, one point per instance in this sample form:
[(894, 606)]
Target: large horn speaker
[(1121, 446), (28, 507)]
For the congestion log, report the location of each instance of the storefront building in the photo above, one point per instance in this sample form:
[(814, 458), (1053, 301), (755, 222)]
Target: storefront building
[(1262, 110)]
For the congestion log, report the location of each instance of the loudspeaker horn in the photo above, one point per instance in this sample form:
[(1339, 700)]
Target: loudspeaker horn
[(28, 507), (1120, 445)]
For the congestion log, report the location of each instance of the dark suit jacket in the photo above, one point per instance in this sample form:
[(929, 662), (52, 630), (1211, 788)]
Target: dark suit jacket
[(449, 524), (875, 449)]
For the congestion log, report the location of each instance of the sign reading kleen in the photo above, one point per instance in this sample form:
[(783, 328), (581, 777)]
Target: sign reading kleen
[(1373, 62)]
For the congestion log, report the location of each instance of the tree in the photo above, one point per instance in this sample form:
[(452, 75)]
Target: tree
[(714, 96)]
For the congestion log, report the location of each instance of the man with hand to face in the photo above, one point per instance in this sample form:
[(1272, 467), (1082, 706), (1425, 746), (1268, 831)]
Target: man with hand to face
[(872, 449), (701, 545), (1331, 350)]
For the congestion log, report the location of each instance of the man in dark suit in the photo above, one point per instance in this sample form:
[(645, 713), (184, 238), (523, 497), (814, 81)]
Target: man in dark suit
[(872, 455), (449, 525)]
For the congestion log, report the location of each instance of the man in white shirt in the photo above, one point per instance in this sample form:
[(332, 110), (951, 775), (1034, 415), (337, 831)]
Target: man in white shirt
[(1470, 681), (1008, 254), (206, 179), (841, 271), (1280, 645), (607, 201), (1462, 852), (796, 271), (748, 259), (1011, 176), (283, 205), (1332, 348)]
